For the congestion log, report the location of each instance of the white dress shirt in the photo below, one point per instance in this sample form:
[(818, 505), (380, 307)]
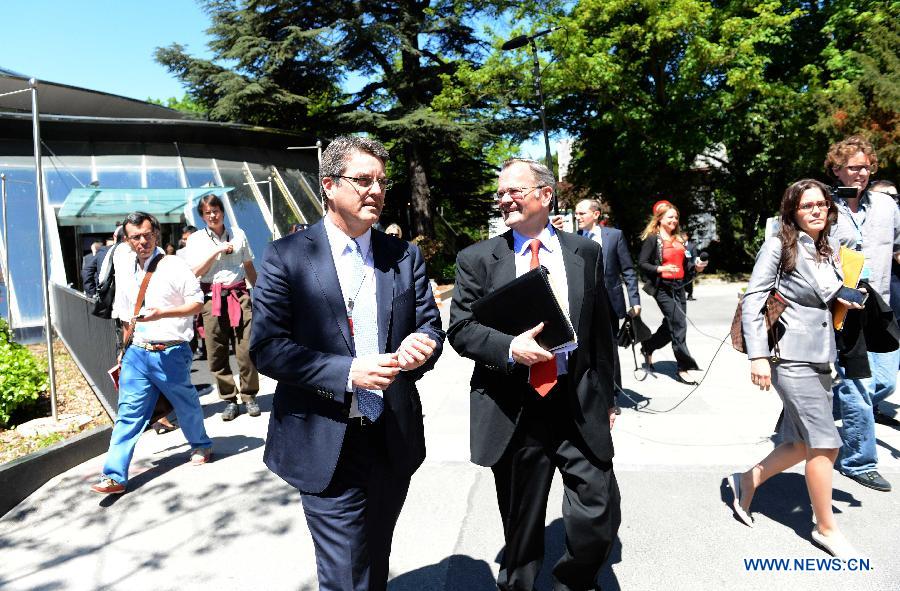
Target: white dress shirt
[(550, 256), (226, 268), (342, 253), (594, 234), (826, 275), (172, 284)]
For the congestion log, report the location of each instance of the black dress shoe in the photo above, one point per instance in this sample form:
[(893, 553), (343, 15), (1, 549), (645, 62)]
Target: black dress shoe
[(252, 407), (871, 479), (231, 411)]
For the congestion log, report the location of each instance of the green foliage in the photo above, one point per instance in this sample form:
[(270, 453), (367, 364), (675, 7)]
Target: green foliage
[(286, 64), (863, 92), (714, 105), (185, 104), (21, 378)]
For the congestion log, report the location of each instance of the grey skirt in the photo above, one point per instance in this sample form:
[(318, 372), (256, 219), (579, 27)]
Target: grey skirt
[(805, 390)]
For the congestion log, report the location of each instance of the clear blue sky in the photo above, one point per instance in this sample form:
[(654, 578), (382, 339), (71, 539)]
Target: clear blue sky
[(108, 45), (103, 45)]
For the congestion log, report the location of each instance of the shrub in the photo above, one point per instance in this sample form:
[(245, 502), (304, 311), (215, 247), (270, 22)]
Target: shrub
[(21, 377)]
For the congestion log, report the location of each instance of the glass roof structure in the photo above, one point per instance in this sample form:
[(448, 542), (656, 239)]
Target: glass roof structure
[(104, 156), (93, 205)]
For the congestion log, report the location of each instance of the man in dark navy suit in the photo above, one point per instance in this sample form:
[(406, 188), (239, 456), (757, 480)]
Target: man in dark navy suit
[(617, 265), (344, 319)]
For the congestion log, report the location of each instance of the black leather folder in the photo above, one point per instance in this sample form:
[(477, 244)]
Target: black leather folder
[(523, 303)]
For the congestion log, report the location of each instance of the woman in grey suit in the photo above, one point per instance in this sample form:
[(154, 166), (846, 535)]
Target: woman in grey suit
[(802, 263)]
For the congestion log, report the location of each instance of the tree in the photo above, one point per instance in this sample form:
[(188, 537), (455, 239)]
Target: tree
[(711, 104), (287, 64), (185, 104), (863, 92)]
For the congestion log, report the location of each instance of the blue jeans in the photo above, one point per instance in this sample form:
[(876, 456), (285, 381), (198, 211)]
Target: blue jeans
[(857, 400), (144, 375)]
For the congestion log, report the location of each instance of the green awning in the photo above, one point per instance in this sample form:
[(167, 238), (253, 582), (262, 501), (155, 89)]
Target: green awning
[(96, 205)]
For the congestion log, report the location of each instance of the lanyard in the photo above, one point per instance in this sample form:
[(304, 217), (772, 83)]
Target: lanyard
[(214, 238), (845, 209)]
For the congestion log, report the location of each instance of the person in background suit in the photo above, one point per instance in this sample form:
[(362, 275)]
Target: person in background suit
[(617, 265), (89, 270), (691, 252), (802, 263), (533, 412), (344, 319)]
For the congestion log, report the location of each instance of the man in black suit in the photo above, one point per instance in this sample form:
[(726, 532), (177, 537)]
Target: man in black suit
[(617, 264), (531, 411), (344, 319), (89, 270)]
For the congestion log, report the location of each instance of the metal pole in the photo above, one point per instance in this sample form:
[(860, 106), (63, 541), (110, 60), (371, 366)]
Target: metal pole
[(542, 110), (271, 207), (39, 185), (6, 256)]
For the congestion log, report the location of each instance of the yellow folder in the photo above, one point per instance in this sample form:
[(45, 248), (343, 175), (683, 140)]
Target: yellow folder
[(852, 262)]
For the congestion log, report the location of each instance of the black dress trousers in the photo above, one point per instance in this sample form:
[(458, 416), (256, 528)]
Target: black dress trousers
[(547, 439)]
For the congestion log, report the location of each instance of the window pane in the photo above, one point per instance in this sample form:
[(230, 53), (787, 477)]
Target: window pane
[(163, 178), (25, 256), (304, 192), (246, 209)]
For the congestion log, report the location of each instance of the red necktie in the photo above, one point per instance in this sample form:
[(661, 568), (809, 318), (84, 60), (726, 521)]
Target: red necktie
[(543, 374)]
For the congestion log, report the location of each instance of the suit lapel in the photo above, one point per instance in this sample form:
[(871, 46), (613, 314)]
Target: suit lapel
[(574, 276), (322, 264), (806, 272), (385, 270), (503, 267)]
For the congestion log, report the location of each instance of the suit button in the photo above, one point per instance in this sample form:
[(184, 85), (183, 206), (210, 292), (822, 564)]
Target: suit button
[(824, 324)]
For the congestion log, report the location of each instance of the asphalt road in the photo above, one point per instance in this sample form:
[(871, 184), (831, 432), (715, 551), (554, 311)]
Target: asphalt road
[(233, 525)]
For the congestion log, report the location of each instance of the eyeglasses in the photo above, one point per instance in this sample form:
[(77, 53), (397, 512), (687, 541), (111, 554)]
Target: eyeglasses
[(137, 237), (212, 213), (366, 181), (516, 193), (808, 206), (859, 168)]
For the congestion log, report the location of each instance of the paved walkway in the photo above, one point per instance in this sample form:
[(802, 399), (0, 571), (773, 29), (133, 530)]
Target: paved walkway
[(233, 525)]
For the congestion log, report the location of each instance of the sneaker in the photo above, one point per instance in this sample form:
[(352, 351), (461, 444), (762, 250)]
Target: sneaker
[(252, 407), (871, 479), (231, 411), (200, 455), (108, 486)]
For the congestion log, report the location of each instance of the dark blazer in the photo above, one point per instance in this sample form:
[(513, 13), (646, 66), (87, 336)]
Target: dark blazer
[(617, 265), (650, 258), (301, 338), (498, 388), (89, 272)]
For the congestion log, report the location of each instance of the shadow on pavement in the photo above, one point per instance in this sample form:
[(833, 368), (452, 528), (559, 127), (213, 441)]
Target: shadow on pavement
[(785, 500), (555, 546), (455, 573)]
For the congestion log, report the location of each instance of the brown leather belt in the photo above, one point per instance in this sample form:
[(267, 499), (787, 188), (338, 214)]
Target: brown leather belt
[(158, 346)]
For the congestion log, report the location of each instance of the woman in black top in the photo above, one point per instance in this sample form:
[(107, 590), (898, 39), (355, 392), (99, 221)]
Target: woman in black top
[(666, 265)]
